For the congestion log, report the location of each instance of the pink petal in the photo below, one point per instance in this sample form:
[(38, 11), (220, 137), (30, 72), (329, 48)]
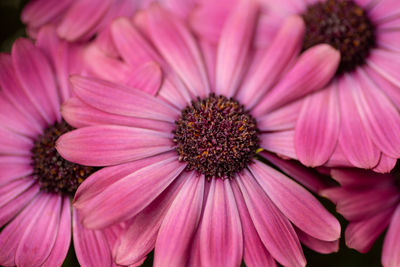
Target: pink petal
[(40, 234), (147, 77), (283, 50), (179, 48), (180, 224), (385, 165), (148, 182), (180, 7), (254, 252), (233, 47), (317, 127), (12, 168), (14, 93), (122, 100), (37, 79), (391, 246), (281, 119), (389, 38), (140, 236), (358, 178), (105, 145), (384, 9), (361, 235), (100, 180), (14, 189), (220, 229), (82, 17), (353, 139), (63, 239), (40, 12), (281, 143), (380, 117), (275, 231), (312, 71), (210, 57), (91, 246), (324, 247), (298, 205), (338, 158), (14, 144), (308, 177), (385, 63), (78, 114)]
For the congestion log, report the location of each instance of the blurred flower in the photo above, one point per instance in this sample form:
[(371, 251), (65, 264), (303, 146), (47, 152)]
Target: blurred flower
[(355, 120), (36, 184), (371, 202), (183, 166)]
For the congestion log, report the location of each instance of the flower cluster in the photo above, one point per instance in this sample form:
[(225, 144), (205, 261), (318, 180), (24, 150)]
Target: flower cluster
[(204, 131)]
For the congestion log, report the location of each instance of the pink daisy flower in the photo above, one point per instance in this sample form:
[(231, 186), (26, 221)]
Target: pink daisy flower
[(78, 20), (371, 202), (36, 184), (355, 120), (183, 166)]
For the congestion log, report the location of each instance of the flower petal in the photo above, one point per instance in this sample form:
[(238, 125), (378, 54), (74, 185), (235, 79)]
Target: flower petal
[(385, 165), (148, 182), (324, 247), (147, 77), (40, 12), (281, 119), (14, 144), (281, 143), (220, 229), (12, 168), (105, 145), (180, 224), (391, 246), (317, 127)]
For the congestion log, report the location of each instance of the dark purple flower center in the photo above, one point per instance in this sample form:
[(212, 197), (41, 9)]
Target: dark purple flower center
[(344, 25), (216, 136), (54, 173)]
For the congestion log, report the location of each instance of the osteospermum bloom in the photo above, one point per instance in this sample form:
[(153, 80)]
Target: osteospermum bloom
[(183, 167), (371, 202), (36, 184), (355, 120)]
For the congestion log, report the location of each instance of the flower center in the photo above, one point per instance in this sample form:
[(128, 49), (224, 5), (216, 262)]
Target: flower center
[(344, 25), (216, 136), (54, 173)]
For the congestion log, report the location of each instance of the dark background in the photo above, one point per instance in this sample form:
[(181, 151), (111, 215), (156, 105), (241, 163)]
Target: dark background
[(11, 28)]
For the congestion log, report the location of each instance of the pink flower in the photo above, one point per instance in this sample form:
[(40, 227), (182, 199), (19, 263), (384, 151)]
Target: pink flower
[(371, 202), (354, 121), (36, 184), (184, 167)]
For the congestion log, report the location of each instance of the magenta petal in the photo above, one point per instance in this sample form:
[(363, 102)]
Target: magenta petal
[(354, 140), (385, 165), (281, 143), (312, 71), (317, 127), (122, 100), (12, 168), (40, 235), (180, 224), (148, 182), (361, 235), (82, 17), (105, 145), (140, 236), (296, 203), (91, 246), (324, 247), (37, 79), (220, 228), (39, 12), (147, 77), (12, 144), (283, 50), (61, 245), (78, 114), (274, 229), (254, 252), (179, 48), (391, 246), (233, 47)]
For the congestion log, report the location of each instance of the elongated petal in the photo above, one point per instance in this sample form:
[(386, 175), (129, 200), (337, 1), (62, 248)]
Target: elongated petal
[(63, 239), (14, 144), (385, 165), (391, 246), (296, 203), (147, 77), (281, 119), (179, 49), (220, 228), (317, 127), (148, 182), (140, 236), (312, 71), (283, 50), (12, 168), (105, 145), (275, 231), (324, 247), (39, 237), (233, 47), (37, 13), (281, 143), (121, 100), (180, 224)]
